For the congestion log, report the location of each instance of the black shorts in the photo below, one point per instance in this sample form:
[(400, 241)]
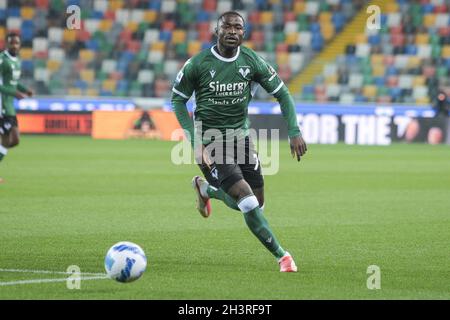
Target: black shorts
[(7, 123), (239, 160)]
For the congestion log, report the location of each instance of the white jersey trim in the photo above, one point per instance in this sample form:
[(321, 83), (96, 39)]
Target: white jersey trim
[(10, 56), (277, 89), (180, 93), (218, 56)]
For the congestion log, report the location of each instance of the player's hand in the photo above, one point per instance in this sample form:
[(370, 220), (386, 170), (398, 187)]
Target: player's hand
[(20, 95), (298, 147), (30, 93)]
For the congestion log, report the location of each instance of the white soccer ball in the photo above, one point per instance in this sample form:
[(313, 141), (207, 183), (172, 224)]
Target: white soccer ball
[(125, 262)]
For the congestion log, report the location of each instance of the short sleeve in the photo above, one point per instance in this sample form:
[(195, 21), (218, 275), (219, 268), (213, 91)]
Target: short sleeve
[(184, 82), (267, 77)]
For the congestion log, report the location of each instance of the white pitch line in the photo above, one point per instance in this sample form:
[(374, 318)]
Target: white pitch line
[(50, 272), (13, 283)]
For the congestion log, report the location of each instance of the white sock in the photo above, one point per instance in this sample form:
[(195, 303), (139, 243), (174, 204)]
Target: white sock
[(3, 150)]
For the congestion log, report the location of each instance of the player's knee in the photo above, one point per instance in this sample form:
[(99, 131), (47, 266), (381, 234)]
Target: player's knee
[(239, 187)]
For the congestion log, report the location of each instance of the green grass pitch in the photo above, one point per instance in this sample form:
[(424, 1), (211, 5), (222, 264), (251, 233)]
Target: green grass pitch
[(66, 200)]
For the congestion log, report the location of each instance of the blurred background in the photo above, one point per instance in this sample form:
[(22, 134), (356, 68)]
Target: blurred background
[(323, 50)]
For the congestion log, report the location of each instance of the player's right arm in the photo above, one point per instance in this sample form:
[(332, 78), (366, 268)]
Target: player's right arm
[(5, 89), (181, 92), (268, 78)]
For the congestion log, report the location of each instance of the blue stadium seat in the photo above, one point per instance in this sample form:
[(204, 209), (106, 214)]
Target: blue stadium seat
[(374, 39), (379, 81), (81, 84), (395, 92), (391, 71), (427, 8), (315, 27), (122, 85), (411, 49), (360, 98), (27, 30), (92, 44), (308, 89), (261, 4), (447, 63), (105, 93), (203, 16), (27, 65), (155, 5), (165, 36), (317, 41), (73, 2), (206, 45), (97, 15), (13, 12), (338, 20)]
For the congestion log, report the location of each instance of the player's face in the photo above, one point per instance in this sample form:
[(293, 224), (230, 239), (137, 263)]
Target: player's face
[(14, 45), (230, 31)]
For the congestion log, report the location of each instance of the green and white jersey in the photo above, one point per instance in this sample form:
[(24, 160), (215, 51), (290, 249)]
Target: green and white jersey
[(10, 70), (224, 86)]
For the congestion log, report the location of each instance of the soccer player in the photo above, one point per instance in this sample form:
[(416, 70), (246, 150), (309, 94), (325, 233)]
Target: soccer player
[(222, 79), (10, 88)]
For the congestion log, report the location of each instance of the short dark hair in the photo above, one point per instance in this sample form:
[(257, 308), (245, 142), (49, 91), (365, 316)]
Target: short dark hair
[(11, 35), (230, 13)]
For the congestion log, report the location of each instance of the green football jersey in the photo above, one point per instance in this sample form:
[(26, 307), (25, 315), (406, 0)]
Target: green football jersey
[(10, 70), (224, 87)]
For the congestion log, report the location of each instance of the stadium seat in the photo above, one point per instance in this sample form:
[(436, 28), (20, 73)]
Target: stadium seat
[(161, 35)]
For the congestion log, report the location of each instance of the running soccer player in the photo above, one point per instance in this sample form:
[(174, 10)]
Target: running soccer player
[(10, 88), (222, 79)]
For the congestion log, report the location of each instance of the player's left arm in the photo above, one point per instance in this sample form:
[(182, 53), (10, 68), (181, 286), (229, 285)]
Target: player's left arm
[(268, 78), (24, 89), (297, 144)]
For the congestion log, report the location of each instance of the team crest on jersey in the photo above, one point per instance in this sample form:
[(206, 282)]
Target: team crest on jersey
[(244, 71), (212, 73)]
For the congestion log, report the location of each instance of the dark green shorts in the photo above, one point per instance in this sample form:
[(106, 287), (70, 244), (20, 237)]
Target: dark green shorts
[(7, 123), (238, 161)]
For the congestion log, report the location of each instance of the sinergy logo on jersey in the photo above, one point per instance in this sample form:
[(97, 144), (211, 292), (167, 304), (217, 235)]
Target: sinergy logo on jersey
[(228, 89)]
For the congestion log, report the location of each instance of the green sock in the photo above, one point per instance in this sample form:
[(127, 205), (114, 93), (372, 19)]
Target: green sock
[(222, 195), (260, 227)]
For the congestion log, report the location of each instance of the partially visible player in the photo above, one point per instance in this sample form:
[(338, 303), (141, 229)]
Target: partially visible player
[(222, 79), (10, 88)]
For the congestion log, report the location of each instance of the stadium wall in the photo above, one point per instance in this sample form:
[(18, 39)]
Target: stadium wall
[(365, 124)]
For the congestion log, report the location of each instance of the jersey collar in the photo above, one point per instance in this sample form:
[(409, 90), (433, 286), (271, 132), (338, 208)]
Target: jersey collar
[(218, 56), (10, 56)]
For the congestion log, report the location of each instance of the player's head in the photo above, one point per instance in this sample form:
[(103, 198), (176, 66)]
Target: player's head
[(13, 43), (230, 29)]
